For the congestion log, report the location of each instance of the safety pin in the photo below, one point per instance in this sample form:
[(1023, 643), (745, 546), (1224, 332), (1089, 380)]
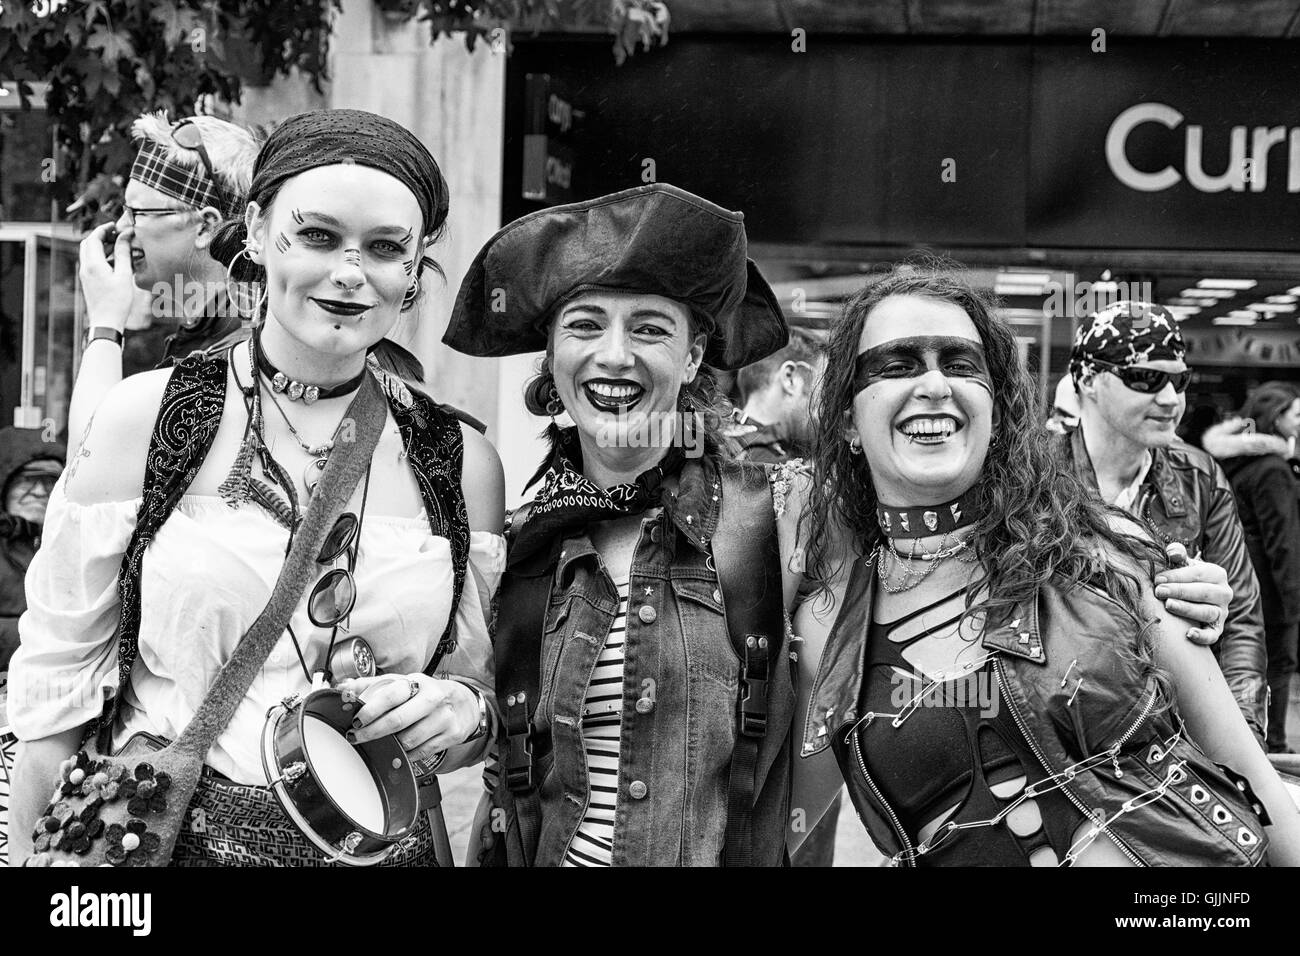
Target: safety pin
[(1067, 671), (1076, 692)]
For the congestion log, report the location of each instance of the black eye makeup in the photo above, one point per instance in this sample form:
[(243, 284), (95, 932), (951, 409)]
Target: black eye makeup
[(914, 356), (282, 242)]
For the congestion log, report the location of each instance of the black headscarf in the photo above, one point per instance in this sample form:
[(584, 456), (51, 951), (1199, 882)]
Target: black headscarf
[(330, 137)]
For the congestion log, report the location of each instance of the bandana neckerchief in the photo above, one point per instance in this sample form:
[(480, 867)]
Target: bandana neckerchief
[(569, 500)]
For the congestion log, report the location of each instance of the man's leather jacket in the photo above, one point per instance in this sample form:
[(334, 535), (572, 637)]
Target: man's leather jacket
[(1186, 497)]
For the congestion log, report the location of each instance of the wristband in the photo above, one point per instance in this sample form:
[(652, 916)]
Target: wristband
[(482, 728), (104, 332)]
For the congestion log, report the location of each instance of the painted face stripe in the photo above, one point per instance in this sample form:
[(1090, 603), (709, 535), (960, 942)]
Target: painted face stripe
[(923, 353)]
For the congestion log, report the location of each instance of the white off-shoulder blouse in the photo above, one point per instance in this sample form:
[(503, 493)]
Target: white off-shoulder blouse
[(207, 575)]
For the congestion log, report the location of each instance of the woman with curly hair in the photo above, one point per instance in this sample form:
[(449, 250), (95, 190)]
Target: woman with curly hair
[(999, 684)]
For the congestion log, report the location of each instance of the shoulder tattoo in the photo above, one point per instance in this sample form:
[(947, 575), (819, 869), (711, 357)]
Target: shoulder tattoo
[(83, 451)]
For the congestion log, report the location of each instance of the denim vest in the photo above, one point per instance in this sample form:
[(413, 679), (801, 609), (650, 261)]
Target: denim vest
[(679, 706)]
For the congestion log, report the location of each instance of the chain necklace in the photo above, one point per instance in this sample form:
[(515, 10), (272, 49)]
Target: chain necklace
[(910, 577), (316, 451)]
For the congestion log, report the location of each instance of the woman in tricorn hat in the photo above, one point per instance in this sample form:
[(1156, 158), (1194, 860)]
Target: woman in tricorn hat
[(642, 654)]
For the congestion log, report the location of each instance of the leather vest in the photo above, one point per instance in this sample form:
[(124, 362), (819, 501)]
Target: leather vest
[(1206, 815), (183, 433)]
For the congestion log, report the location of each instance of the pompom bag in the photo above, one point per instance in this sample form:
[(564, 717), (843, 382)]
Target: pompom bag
[(126, 809)]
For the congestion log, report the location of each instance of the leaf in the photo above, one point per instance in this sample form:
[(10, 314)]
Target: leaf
[(92, 76), (169, 15), (111, 44), (95, 8)]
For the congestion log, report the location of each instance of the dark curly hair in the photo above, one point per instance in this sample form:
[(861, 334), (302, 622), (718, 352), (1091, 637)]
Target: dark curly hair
[(1038, 520)]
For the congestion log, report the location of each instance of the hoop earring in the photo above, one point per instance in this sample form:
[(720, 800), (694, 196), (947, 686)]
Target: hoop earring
[(553, 405), (412, 293), (236, 302), (855, 446)]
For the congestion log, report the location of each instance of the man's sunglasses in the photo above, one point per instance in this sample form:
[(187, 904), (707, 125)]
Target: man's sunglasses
[(1149, 381), (335, 594)]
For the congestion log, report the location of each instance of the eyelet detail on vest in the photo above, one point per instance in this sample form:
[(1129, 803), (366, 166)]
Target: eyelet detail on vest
[(1199, 794), (1155, 754), (1246, 838), (1220, 814), (1177, 775)]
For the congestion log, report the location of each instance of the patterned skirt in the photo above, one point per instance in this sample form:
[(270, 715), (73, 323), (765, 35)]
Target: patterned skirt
[(234, 824)]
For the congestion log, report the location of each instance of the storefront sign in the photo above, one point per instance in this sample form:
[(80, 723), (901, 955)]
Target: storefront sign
[(1164, 145), (548, 152)]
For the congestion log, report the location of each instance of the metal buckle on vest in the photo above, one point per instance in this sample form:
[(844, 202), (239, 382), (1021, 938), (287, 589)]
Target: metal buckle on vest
[(753, 702), (519, 744)]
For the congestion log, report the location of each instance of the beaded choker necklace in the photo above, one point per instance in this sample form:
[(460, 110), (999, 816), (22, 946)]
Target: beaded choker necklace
[(925, 520), (282, 384)]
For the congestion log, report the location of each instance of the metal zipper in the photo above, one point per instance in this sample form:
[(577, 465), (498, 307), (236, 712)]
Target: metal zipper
[(893, 818), (1119, 744), (1000, 668)]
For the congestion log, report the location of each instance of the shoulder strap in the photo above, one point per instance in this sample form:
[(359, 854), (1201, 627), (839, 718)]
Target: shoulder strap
[(435, 449), (182, 437), (342, 474), (747, 554), (517, 647)]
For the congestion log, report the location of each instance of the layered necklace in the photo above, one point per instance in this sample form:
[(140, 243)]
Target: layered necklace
[(240, 485), (901, 572)]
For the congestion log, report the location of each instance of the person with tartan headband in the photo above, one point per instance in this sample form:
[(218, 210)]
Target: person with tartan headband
[(188, 176)]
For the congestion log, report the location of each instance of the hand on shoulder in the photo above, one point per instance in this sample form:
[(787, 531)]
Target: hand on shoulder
[(110, 462)]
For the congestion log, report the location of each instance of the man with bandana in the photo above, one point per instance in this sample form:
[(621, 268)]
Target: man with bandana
[(188, 177), (1128, 369)]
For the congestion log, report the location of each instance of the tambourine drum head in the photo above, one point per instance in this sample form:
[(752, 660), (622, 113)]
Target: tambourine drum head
[(343, 774), (353, 802)]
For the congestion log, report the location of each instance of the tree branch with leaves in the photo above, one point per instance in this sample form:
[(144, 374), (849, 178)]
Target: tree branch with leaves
[(108, 61)]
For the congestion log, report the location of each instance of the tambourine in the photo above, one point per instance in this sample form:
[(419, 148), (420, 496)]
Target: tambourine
[(354, 802)]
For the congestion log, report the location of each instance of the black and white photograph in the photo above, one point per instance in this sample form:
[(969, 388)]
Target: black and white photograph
[(649, 434)]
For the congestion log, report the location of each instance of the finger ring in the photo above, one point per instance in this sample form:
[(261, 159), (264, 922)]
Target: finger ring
[(415, 689)]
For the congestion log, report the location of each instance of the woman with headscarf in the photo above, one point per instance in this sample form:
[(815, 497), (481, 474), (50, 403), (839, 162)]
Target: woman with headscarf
[(999, 684), (641, 647), (169, 527)]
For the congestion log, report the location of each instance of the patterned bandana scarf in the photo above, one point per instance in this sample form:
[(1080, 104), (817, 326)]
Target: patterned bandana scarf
[(188, 184), (569, 500), (1126, 333)]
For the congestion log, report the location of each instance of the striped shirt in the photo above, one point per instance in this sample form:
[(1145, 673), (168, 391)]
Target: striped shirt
[(602, 720)]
